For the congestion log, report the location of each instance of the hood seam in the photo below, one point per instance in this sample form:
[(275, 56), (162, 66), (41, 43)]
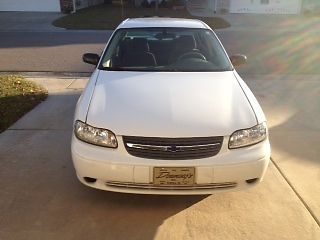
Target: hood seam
[(254, 112), (94, 89)]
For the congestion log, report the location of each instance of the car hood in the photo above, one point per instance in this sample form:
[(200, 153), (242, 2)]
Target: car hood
[(163, 104)]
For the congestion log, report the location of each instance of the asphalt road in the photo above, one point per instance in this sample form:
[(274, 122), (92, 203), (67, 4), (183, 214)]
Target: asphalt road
[(49, 51), (280, 52)]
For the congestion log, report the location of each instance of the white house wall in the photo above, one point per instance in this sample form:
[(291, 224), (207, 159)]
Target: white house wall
[(30, 5), (265, 6), (311, 5)]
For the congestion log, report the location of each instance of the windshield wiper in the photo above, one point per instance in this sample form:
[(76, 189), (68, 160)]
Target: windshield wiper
[(127, 69), (113, 68), (168, 70)]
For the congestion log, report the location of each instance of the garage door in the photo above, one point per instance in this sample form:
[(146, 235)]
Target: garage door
[(266, 6), (30, 5)]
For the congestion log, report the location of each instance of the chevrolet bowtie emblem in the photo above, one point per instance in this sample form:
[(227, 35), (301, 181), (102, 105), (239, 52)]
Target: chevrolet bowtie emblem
[(172, 148)]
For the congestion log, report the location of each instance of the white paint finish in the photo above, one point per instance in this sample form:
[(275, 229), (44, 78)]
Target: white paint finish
[(121, 173), (273, 7), (117, 165), (168, 104), (30, 5), (165, 104), (204, 175), (252, 99), (162, 22), (85, 98), (232, 173), (142, 174), (91, 153)]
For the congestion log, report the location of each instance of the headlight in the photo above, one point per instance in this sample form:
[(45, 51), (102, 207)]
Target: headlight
[(247, 137), (97, 136)]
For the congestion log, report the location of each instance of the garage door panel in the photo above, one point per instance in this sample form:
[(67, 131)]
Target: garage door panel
[(30, 5)]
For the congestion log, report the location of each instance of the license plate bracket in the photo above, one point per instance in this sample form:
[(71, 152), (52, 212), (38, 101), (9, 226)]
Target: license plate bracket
[(174, 176)]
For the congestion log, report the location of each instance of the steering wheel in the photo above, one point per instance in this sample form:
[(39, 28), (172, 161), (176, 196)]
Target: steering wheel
[(192, 54)]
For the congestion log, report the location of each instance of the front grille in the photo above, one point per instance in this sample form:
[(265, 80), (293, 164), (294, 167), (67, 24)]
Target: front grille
[(173, 148), (159, 187)]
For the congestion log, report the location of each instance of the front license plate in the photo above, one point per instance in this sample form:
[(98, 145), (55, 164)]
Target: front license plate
[(173, 175)]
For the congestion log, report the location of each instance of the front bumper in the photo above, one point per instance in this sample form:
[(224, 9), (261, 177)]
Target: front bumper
[(116, 170)]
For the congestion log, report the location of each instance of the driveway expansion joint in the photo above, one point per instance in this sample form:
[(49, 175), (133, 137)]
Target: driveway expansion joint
[(296, 193)]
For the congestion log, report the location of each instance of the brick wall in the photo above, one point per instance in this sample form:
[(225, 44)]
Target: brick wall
[(66, 6)]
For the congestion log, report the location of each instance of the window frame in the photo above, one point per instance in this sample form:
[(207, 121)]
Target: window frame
[(102, 68)]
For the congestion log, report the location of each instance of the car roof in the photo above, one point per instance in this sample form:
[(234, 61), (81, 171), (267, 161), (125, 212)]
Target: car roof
[(162, 22)]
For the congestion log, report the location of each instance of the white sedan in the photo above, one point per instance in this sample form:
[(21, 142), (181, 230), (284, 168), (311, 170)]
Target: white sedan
[(165, 112)]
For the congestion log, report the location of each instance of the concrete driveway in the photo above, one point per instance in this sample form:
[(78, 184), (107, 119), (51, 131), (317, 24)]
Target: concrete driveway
[(42, 199), (28, 21)]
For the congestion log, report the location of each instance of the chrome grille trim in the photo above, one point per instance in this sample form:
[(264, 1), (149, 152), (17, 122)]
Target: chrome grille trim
[(166, 147), (173, 148), (160, 187)]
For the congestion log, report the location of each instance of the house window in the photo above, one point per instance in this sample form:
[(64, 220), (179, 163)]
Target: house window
[(264, 1)]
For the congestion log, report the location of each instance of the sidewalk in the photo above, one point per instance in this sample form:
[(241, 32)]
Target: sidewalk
[(28, 21), (42, 199)]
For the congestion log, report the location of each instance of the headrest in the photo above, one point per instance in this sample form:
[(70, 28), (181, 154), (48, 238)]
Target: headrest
[(186, 43), (138, 45)]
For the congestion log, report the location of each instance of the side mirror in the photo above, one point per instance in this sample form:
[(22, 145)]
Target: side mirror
[(91, 58), (238, 59)]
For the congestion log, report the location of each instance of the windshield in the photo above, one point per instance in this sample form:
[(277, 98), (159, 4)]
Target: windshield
[(165, 49)]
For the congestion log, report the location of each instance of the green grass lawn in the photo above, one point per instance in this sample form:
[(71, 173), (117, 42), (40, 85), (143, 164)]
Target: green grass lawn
[(17, 97), (108, 16)]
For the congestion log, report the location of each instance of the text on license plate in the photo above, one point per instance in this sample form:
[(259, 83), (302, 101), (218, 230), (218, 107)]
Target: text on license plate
[(173, 175)]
